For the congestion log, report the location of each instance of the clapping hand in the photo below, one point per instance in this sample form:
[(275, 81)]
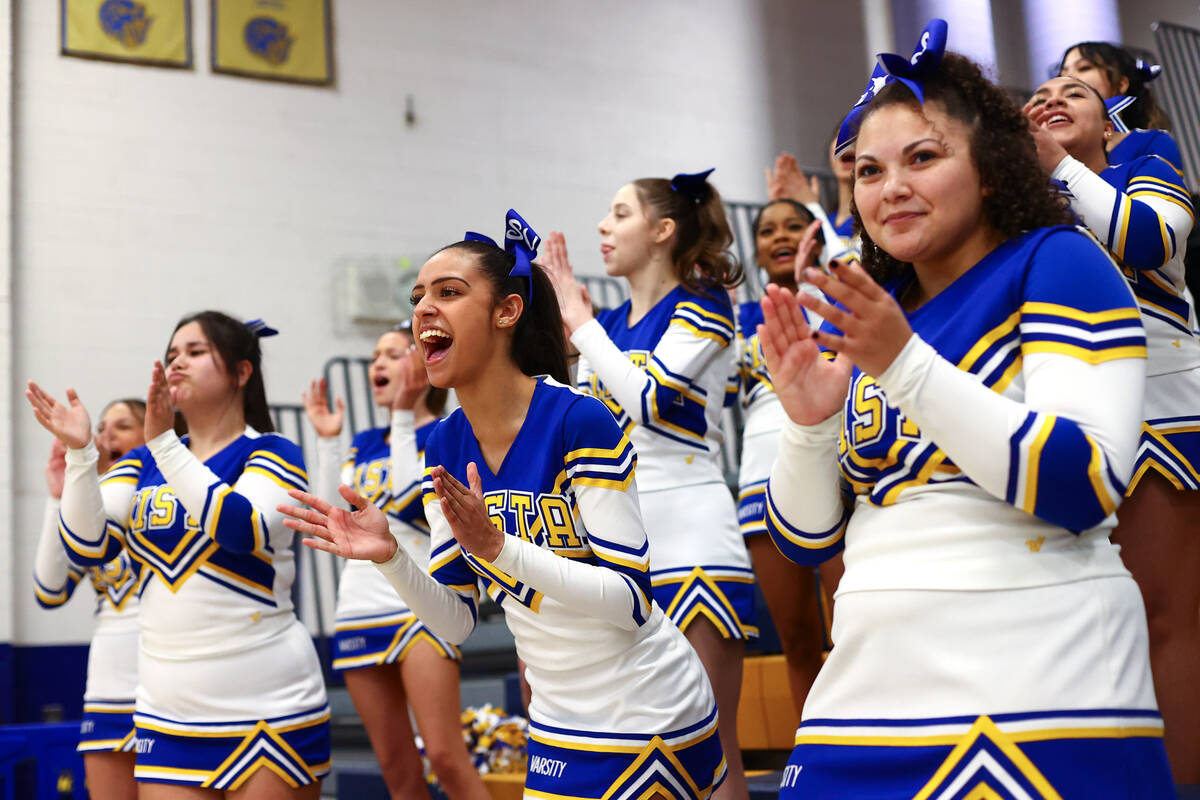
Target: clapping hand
[(69, 423), (359, 534), (874, 327), (788, 182), (573, 299), (810, 387), (160, 407), (466, 513), (326, 423), (414, 380)]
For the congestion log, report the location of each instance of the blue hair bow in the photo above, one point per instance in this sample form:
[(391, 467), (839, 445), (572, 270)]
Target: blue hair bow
[(1114, 106), (520, 241), (692, 184), (892, 68), (1147, 72), (848, 131), (260, 328)]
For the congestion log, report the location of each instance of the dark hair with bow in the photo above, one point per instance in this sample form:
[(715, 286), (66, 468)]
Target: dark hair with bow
[(1017, 195), (1117, 63), (538, 346), (233, 341), (701, 254)]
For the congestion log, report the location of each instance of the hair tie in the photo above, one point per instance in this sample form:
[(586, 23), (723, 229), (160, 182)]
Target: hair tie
[(260, 328), (520, 241), (1114, 106), (1147, 72), (892, 68), (692, 184)]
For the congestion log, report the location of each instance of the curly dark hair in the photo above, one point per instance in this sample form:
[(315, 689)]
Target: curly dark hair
[(1018, 196)]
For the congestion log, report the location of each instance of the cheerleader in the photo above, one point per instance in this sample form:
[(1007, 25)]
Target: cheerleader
[(661, 363), (1142, 212), (1139, 125), (785, 242), (390, 660), (787, 181), (530, 490), (230, 698), (982, 403), (106, 737)]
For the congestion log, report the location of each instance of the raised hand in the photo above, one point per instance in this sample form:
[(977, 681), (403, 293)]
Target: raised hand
[(316, 404), (56, 467), (69, 423), (810, 387), (573, 301), (1049, 152), (361, 534), (805, 252), (466, 513), (414, 380), (160, 407), (788, 182), (874, 328)]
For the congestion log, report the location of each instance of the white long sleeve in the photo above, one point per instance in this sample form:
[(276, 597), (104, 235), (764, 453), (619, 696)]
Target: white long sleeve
[(242, 517), (1144, 224), (330, 470), (92, 516), (54, 576), (406, 462), (1018, 450), (449, 612), (807, 525)]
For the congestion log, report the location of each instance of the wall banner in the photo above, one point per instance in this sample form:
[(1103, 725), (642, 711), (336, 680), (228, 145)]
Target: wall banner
[(156, 32), (284, 40)]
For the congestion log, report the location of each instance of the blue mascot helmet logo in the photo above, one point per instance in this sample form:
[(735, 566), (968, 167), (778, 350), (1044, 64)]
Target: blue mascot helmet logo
[(268, 39), (125, 21)]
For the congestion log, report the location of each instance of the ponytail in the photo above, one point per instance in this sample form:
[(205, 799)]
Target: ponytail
[(701, 255)]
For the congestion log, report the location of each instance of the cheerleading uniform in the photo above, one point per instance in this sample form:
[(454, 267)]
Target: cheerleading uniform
[(229, 680), (384, 465), (1141, 211), (988, 641), (665, 380), (763, 417), (108, 697), (1137, 143), (620, 702)]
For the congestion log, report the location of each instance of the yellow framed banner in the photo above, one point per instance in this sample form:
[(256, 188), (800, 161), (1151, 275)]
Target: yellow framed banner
[(283, 40), (156, 32)]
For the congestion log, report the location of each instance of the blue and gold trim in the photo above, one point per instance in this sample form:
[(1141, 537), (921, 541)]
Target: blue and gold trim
[(223, 755), (1047, 755), (805, 547), (106, 727), (378, 639), (722, 595), (567, 764), (1171, 447)]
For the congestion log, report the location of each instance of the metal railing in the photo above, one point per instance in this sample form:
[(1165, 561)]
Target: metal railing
[(348, 377), (1179, 90)]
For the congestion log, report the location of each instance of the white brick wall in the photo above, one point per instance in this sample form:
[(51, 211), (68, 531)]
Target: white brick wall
[(142, 194)]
